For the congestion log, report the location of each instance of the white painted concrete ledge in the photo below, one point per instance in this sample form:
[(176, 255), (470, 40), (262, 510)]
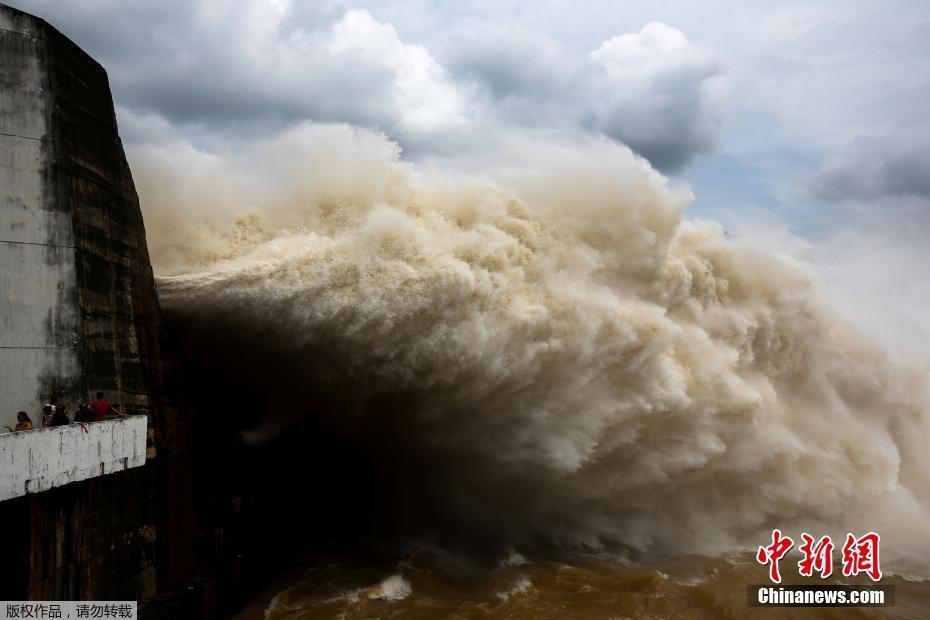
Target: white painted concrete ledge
[(42, 459)]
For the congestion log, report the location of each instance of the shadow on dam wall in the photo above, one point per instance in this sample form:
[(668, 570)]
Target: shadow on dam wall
[(197, 529)]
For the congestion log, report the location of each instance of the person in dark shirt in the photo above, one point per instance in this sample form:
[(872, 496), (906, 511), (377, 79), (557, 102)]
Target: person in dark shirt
[(60, 417), (47, 412), (84, 413)]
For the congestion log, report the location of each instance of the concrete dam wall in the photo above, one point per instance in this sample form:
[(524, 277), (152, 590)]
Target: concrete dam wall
[(164, 507), (39, 306), (77, 298), (79, 314)]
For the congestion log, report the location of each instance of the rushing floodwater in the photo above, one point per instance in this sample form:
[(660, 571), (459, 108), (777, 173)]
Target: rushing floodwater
[(548, 356), (430, 586)]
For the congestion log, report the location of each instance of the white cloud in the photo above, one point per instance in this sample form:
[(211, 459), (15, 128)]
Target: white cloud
[(650, 89), (424, 97), (633, 52), (225, 70), (801, 81), (656, 94)]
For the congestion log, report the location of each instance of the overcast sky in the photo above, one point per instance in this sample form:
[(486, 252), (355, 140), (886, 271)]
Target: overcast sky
[(795, 118)]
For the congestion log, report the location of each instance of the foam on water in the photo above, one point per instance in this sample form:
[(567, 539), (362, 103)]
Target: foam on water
[(393, 588)]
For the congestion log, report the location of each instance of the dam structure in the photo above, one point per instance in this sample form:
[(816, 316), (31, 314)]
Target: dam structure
[(112, 510), (77, 290), (79, 315), (163, 505), (72, 288)]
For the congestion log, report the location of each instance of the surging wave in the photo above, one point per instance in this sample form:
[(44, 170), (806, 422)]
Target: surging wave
[(552, 355)]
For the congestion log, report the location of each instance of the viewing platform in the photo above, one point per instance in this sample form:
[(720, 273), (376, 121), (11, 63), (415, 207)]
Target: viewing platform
[(44, 458)]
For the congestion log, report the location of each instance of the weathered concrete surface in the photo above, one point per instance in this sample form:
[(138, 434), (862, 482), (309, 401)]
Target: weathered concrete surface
[(39, 308), (78, 308), (42, 459), (79, 314)]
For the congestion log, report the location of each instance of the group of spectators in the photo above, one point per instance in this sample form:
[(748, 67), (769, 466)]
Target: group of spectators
[(55, 414)]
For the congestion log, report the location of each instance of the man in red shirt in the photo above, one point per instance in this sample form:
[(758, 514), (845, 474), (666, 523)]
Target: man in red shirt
[(102, 407)]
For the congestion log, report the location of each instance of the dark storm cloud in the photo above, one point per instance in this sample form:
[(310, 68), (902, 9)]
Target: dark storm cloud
[(225, 66), (876, 168), (227, 69), (514, 63), (669, 122), (190, 63), (651, 90)]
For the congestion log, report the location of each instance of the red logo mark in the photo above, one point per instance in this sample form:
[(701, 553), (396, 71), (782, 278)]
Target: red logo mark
[(860, 555), (817, 557), (773, 553)]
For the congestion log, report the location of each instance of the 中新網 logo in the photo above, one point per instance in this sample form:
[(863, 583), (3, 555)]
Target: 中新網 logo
[(859, 555)]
